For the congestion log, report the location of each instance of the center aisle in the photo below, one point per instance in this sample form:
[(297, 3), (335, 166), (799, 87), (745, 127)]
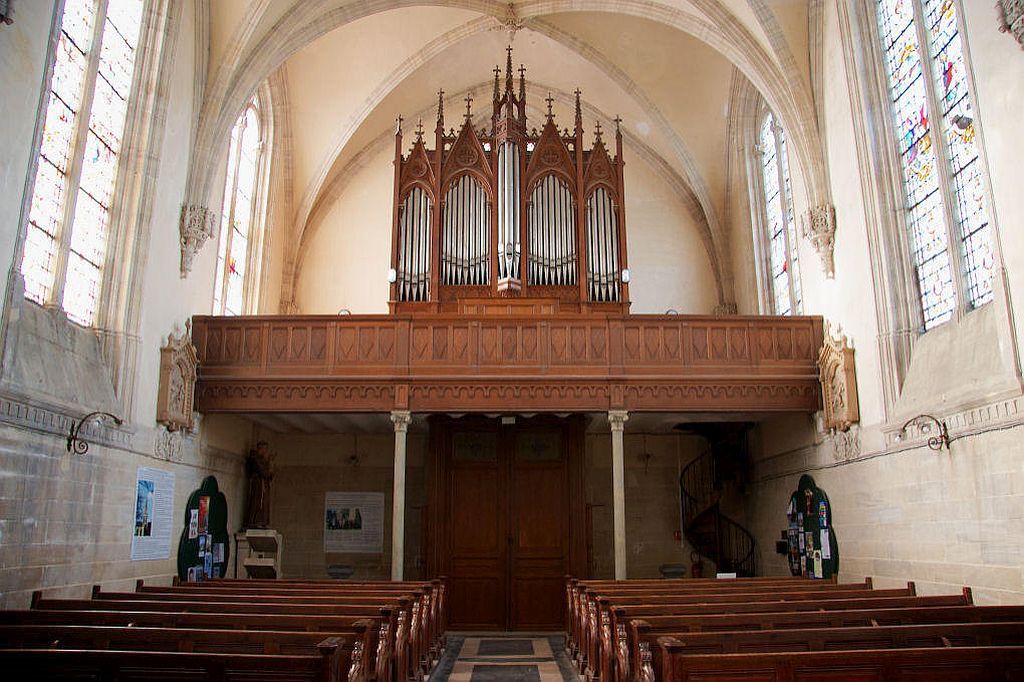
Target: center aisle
[(504, 657)]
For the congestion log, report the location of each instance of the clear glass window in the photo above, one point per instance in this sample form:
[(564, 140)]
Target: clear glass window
[(240, 189)]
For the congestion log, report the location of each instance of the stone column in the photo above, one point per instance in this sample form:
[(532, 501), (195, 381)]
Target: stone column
[(401, 419), (617, 420)]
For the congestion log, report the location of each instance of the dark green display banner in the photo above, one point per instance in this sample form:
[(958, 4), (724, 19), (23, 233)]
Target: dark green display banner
[(813, 549), (204, 548)]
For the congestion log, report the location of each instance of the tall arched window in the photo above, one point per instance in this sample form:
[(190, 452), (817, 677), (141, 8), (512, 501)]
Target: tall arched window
[(948, 224), (69, 217), (233, 289), (779, 226)]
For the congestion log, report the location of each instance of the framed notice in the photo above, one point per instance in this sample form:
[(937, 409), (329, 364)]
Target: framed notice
[(154, 511), (354, 522)]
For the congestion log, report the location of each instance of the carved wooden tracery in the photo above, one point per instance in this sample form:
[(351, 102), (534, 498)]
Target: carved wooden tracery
[(514, 231)]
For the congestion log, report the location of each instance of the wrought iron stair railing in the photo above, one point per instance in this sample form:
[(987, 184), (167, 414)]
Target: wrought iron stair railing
[(712, 534)]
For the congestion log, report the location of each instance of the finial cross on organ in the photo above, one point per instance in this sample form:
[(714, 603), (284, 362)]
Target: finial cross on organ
[(419, 129), (469, 107), (550, 100)]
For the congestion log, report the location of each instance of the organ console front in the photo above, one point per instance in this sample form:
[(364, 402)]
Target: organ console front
[(509, 213)]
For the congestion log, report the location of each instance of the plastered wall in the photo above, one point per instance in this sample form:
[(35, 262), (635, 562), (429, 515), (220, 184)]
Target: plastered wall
[(346, 262)]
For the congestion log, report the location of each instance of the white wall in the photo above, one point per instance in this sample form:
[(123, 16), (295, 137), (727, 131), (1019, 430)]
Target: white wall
[(901, 511), (348, 256)]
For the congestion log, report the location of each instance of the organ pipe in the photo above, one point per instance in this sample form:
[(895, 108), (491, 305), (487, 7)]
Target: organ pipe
[(413, 271), (508, 208), (552, 229), (602, 248), (466, 232)]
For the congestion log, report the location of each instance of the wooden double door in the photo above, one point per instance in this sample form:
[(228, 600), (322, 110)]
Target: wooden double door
[(507, 521)]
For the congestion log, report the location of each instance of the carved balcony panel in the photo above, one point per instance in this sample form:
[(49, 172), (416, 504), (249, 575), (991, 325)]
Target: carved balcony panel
[(438, 362)]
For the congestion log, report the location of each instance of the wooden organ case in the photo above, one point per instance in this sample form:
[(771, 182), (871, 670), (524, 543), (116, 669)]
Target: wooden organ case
[(532, 218)]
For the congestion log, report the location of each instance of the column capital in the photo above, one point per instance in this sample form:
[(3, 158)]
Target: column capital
[(401, 419), (617, 419)]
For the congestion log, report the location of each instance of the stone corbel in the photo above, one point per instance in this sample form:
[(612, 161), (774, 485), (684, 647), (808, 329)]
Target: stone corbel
[(1011, 18), (176, 395), (196, 226), (838, 377), (820, 227)]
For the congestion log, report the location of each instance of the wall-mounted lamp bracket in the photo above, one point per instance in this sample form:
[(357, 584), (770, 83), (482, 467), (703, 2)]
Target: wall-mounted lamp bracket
[(77, 444), (925, 422)]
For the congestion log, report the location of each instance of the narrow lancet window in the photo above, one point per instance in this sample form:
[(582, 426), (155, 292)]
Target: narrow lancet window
[(782, 262), (238, 213), (950, 236), (73, 191)]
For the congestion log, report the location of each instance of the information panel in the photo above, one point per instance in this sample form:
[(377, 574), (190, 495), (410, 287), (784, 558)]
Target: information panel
[(354, 522), (154, 511)]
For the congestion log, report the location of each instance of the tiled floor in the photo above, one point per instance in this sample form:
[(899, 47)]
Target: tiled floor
[(504, 657)]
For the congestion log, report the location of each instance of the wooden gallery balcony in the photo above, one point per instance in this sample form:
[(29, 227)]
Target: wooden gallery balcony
[(529, 363)]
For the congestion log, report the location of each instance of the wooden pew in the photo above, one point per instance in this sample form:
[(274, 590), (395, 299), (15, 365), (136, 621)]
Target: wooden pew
[(389, 650), (75, 664), (410, 640), (963, 664), (344, 652), (597, 643), (582, 609), (424, 617), (575, 589), (646, 659), (432, 604), (603, 644)]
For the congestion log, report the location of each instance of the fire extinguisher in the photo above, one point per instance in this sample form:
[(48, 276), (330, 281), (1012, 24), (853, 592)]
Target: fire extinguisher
[(697, 566)]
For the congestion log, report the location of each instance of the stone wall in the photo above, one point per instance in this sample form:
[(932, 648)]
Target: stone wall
[(652, 501), (66, 520), (942, 519), (306, 467)]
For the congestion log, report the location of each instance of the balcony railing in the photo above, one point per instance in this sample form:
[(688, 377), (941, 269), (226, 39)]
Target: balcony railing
[(553, 363)]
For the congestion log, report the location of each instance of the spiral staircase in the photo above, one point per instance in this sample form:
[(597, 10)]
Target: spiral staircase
[(711, 533)]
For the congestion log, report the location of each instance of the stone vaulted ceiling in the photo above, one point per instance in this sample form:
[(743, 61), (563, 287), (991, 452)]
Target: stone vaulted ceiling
[(343, 70)]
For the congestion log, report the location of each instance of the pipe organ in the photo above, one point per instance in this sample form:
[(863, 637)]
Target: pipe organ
[(509, 212)]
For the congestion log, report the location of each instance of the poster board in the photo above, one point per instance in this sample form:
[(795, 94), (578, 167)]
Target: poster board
[(354, 522), (813, 549), (203, 548), (153, 514)]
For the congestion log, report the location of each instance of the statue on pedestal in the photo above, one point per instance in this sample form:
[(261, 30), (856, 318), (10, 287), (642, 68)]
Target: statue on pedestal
[(259, 466)]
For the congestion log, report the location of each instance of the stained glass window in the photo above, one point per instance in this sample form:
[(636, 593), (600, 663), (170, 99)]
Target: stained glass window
[(237, 215), (65, 245), (942, 173), (779, 219)]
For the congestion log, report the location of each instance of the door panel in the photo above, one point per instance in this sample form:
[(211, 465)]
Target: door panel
[(506, 536), (475, 516), (537, 518)]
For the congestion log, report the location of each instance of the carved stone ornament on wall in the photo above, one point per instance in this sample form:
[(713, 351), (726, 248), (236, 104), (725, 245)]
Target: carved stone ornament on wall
[(838, 381), (178, 363), (820, 228), (846, 444), (196, 226), (1011, 18)]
